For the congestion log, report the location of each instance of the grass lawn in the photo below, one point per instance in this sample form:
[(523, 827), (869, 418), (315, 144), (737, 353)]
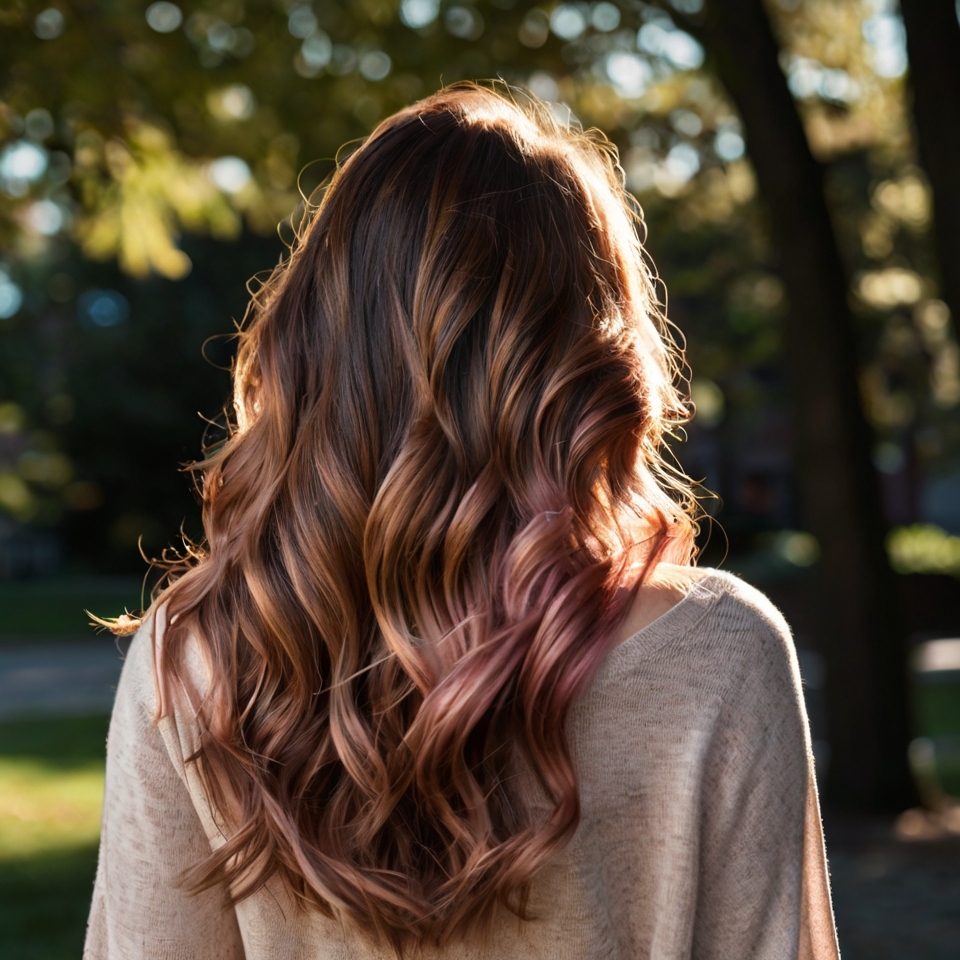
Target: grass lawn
[(938, 709), (51, 789), (938, 715), (48, 608)]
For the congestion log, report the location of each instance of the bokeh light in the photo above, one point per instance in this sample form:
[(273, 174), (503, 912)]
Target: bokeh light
[(164, 17)]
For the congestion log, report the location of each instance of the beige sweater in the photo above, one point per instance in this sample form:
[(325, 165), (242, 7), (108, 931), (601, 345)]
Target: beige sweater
[(700, 836)]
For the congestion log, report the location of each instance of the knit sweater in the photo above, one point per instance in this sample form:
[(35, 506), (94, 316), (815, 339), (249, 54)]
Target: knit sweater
[(699, 837)]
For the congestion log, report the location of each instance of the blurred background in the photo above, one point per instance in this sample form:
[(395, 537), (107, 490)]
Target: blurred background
[(796, 162)]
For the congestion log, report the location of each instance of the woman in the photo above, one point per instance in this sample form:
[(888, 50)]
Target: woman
[(442, 681)]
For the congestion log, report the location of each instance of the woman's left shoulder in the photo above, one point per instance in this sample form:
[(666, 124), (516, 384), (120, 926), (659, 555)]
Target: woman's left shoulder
[(137, 687)]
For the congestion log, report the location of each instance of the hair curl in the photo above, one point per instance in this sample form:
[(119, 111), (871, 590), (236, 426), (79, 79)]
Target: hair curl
[(444, 472)]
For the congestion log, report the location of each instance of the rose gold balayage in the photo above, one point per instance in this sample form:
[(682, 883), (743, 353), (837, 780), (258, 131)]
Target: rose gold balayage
[(442, 488)]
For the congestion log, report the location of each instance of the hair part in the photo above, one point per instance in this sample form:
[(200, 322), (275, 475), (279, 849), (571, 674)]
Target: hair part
[(445, 464)]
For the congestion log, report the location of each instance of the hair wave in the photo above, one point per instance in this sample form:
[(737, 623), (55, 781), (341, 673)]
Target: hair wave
[(444, 473)]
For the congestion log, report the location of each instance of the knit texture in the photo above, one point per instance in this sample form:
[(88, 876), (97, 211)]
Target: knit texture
[(700, 834)]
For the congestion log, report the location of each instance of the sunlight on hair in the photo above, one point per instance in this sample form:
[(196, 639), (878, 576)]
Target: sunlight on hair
[(445, 481)]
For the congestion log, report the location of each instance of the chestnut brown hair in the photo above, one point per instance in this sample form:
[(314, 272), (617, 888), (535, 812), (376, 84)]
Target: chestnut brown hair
[(444, 482)]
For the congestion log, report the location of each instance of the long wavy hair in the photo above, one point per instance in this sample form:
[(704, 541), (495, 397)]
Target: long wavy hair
[(443, 484)]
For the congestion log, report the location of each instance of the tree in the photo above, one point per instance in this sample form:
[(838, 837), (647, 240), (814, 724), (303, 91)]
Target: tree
[(933, 45), (862, 630)]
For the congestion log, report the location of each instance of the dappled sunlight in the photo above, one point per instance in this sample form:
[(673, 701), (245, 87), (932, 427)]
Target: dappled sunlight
[(152, 193), (51, 792), (45, 809)]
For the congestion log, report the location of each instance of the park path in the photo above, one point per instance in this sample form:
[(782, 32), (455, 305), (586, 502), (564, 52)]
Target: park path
[(894, 899), (63, 676)]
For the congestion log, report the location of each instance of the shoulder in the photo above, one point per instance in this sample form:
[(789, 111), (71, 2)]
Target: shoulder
[(721, 602), (137, 687), (721, 630), (717, 672), (744, 606), (739, 636), (752, 647), (133, 740), (144, 661), (145, 706)]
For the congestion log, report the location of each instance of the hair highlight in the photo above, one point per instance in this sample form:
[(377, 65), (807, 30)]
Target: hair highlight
[(445, 464)]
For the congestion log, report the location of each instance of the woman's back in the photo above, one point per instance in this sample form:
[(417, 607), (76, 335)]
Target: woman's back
[(699, 833), (392, 714)]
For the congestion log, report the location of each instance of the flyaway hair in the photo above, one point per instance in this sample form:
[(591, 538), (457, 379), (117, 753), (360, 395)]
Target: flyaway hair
[(443, 484)]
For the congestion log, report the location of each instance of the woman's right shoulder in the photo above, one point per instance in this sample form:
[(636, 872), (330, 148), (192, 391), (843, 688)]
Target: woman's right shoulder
[(748, 601), (745, 638), (720, 628)]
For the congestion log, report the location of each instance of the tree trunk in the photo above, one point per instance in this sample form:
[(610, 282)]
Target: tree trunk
[(863, 638), (933, 48)]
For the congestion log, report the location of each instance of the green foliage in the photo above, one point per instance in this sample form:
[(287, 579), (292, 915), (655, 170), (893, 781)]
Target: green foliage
[(137, 147), (938, 710), (160, 175), (124, 404), (924, 548)]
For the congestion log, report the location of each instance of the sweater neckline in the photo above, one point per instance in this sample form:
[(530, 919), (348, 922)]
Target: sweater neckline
[(704, 590)]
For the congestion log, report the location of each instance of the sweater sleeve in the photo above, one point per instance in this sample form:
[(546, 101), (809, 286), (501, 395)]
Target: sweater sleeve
[(150, 834), (763, 891)]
